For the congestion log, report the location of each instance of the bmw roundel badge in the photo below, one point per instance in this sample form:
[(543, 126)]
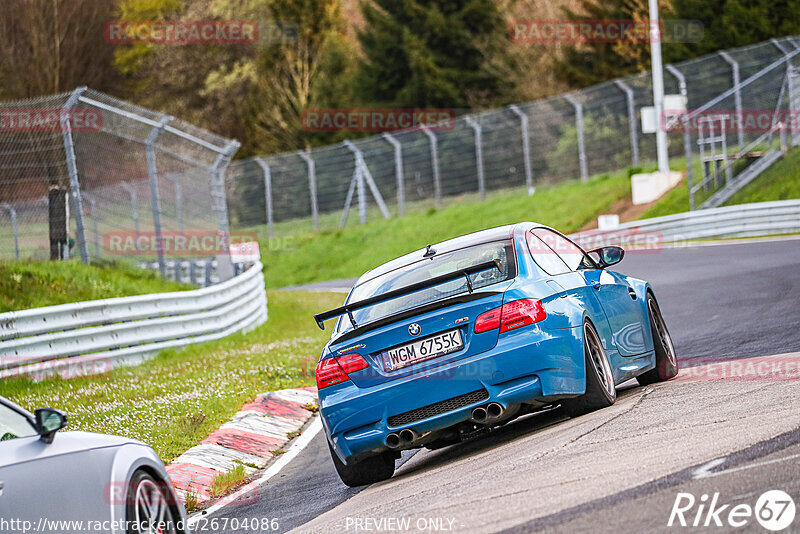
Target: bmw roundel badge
[(414, 329)]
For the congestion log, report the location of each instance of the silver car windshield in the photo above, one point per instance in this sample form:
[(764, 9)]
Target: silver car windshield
[(425, 269), (14, 425)]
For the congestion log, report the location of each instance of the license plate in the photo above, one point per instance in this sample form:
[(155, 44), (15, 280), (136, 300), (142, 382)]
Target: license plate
[(421, 350)]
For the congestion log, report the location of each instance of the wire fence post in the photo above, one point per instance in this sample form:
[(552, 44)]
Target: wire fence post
[(791, 80), (687, 136), (437, 184), (267, 172), (478, 155), (93, 215), (581, 145), (155, 199), (526, 147), (312, 186), (629, 98), (218, 187), (178, 200), (72, 169), (362, 176), (13, 213), (737, 97), (134, 208), (398, 171)]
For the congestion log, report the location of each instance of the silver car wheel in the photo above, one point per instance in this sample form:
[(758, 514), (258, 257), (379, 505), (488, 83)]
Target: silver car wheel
[(598, 358), (662, 332), (152, 510)]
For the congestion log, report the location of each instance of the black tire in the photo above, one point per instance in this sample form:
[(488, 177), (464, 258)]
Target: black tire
[(601, 391), (159, 512), (666, 360), (367, 471)]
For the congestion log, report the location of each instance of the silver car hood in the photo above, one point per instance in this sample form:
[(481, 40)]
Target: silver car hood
[(32, 448)]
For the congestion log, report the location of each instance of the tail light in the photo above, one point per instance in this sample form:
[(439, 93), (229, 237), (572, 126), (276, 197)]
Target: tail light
[(511, 315), (332, 371)]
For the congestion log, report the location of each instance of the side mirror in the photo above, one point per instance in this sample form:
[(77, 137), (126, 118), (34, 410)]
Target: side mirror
[(607, 256), (48, 422)]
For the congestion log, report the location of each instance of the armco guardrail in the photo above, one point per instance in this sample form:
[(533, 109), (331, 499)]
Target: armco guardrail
[(86, 337), (744, 220)]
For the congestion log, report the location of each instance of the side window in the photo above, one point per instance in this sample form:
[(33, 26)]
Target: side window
[(14, 425), (545, 257), (573, 256)]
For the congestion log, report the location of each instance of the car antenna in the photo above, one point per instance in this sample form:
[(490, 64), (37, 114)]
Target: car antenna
[(429, 252)]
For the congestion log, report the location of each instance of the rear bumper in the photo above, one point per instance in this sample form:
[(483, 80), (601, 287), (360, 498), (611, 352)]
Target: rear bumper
[(528, 365)]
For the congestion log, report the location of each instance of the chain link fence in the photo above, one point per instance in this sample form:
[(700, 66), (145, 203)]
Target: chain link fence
[(140, 177), (515, 149), (133, 177)]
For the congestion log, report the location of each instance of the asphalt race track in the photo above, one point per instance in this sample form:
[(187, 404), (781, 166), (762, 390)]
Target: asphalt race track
[(616, 470)]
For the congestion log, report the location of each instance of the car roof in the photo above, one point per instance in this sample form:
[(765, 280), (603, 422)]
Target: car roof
[(498, 233)]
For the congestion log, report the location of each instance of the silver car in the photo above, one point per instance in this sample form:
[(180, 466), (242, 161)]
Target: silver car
[(79, 481)]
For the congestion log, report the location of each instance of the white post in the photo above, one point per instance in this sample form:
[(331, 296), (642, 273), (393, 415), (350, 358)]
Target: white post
[(737, 97), (134, 208), (72, 169), (478, 155), (11, 211), (581, 146), (629, 98), (687, 136), (267, 171), (437, 185), (312, 186), (526, 147), (398, 171), (658, 86)]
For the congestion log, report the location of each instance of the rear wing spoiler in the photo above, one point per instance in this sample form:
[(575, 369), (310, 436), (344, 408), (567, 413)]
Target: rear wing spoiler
[(350, 308)]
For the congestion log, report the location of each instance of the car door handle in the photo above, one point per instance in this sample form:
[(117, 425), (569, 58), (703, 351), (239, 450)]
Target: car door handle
[(632, 293), (595, 284)]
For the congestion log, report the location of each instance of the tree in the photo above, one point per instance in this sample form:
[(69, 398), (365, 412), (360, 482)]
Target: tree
[(589, 63), (733, 23), (426, 53), (52, 46)]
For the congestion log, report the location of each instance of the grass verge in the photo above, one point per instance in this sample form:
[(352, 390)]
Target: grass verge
[(32, 284), (332, 254), (175, 400)]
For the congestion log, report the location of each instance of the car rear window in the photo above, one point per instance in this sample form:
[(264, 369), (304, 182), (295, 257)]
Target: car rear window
[(425, 269)]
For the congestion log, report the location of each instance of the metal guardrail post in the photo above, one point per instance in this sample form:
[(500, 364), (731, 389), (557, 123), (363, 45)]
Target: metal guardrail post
[(478, 155), (218, 187), (398, 172), (72, 169), (526, 147), (267, 172), (134, 208), (312, 186), (155, 199), (581, 146), (13, 213), (437, 184), (629, 99), (93, 214), (737, 97), (687, 136)]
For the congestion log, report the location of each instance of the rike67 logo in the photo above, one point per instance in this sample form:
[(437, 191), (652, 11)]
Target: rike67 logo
[(774, 511)]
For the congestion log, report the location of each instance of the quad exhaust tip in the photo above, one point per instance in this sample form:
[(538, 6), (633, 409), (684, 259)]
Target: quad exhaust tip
[(479, 414), (393, 440), (407, 436), (494, 410)]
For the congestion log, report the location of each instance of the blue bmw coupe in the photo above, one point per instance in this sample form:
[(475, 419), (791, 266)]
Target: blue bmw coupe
[(444, 343)]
